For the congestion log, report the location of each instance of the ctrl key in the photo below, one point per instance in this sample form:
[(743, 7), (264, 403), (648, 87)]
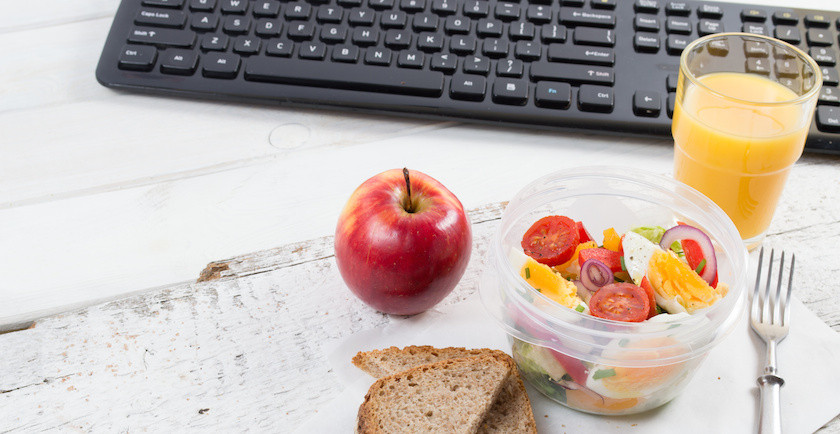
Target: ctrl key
[(595, 98), (137, 58), (828, 119)]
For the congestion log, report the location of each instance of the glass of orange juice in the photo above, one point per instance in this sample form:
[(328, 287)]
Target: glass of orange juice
[(742, 112)]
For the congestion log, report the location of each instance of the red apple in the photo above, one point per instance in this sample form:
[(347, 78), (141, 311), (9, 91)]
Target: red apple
[(402, 242)]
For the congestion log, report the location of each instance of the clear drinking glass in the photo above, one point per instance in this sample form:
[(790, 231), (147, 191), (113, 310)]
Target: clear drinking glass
[(743, 109)]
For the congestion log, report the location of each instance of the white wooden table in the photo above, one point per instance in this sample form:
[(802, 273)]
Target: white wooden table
[(118, 201)]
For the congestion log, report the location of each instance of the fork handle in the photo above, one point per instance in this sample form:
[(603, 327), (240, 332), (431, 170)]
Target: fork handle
[(770, 418)]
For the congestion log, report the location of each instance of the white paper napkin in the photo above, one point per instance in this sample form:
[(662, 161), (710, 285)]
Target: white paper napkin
[(721, 398)]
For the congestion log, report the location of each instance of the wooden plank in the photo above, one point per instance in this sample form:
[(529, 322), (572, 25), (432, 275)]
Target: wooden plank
[(246, 348)]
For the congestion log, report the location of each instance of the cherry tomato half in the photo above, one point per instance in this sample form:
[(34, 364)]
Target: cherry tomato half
[(645, 284), (551, 240), (608, 257), (620, 302), (583, 234), (694, 256)]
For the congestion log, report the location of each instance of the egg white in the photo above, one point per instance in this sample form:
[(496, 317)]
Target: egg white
[(637, 253)]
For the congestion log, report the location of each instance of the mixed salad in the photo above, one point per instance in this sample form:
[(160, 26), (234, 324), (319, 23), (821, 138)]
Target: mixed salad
[(646, 274)]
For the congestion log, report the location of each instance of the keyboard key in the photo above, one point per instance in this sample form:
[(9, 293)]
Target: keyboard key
[(521, 30), (819, 37), (204, 22), (671, 82), (393, 20), (575, 17), (678, 8), (646, 42), (758, 66), (719, 48), (329, 14), (487, 27), (554, 95), (476, 8), (381, 4), (179, 62), (593, 36), (510, 91), (647, 104), (510, 68), (829, 96), (447, 63), (444, 7), (234, 6), (785, 17), (649, 6), (279, 48), (426, 22), (672, 100), (137, 58), (162, 37), (495, 48), (678, 25), (413, 5), (164, 3), (710, 11), (468, 87), (539, 14), (528, 50), (553, 33), (398, 39), (298, 11), (430, 42), (457, 25), (572, 3), (830, 77), (237, 25), (756, 49), (708, 27), (266, 28), (346, 53), (378, 56), (246, 45), (312, 50), (214, 42), (202, 5), (361, 17), (603, 4), (410, 59), (817, 20), (332, 34), (507, 11), (461, 44), (301, 31), (756, 29), (345, 76), (676, 44), (267, 8), (823, 56), (787, 68), (595, 98), (574, 74), (220, 65), (828, 119), (161, 18), (788, 34), (477, 65), (750, 14), (646, 23), (365, 36), (578, 54)]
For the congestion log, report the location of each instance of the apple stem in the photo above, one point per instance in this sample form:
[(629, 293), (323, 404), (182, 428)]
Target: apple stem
[(408, 204)]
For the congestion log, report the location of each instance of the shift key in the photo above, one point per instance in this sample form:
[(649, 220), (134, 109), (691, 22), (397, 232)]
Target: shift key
[(575, 74), (162, 37)]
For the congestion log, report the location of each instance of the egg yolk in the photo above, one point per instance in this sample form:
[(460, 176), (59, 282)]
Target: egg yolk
[(671, 277), (542, 278)]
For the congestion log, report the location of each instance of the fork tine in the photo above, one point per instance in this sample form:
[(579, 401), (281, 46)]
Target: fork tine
[(786, 306), (765, 303), (755, 300), (777, 298)]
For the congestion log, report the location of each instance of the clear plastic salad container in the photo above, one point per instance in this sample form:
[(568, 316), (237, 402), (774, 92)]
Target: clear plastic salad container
[(597, 365)]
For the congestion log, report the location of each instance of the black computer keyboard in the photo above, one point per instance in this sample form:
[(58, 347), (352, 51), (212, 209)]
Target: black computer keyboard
[(602, 65)]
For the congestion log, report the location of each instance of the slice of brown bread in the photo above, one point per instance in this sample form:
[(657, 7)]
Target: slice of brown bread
[(450, 396), (511, 413)]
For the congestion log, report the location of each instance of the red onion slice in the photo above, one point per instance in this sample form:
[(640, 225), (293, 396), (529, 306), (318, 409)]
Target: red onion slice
[(594, 274), (686, 232)]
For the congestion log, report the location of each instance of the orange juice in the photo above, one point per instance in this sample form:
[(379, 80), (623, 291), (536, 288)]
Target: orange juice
[(738, 149)]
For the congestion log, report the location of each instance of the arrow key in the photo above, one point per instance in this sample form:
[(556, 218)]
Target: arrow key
[(647, 103)]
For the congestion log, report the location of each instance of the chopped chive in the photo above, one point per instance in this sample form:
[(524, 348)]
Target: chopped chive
[(527, 273), (579, 308), (603, 373), (538, 289), (659, 310), (617, 279), (566, 377), (700, 266), (623, 267)]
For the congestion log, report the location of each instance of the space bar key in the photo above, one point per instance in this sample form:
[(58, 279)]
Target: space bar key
[(345, 76)]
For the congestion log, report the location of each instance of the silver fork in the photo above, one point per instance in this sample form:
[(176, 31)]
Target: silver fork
[(770, 319)]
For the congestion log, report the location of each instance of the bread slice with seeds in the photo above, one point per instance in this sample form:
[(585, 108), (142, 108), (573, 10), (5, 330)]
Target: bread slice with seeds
[(510, 413), (450, 396)]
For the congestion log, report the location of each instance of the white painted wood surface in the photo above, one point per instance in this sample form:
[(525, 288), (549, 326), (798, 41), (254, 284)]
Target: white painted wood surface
[(105, 194), (246, 348)]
